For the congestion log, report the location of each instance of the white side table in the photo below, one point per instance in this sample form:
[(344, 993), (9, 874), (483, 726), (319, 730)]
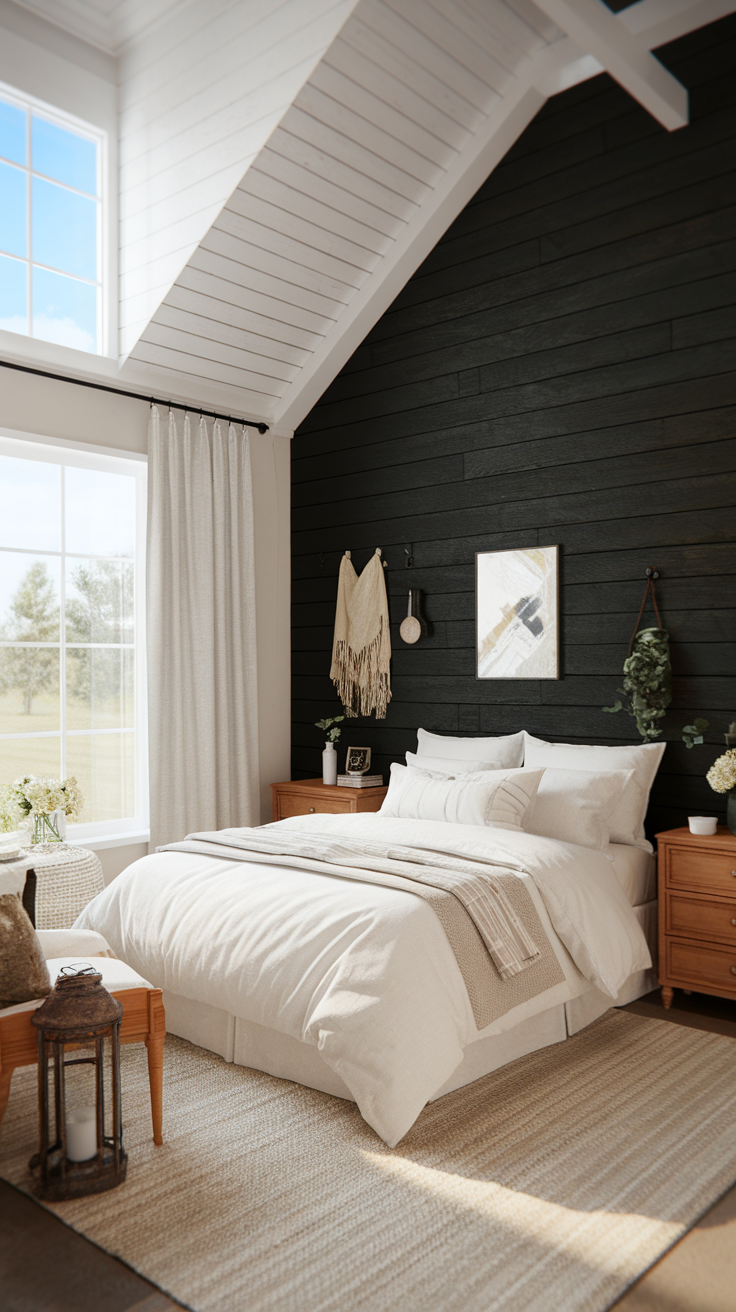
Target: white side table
[(67, 878)]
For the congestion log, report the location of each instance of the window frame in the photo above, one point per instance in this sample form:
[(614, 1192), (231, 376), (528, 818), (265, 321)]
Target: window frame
[(63, 119), (48, 450)]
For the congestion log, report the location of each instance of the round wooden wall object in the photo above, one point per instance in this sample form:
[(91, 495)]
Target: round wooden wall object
[(410, 629)]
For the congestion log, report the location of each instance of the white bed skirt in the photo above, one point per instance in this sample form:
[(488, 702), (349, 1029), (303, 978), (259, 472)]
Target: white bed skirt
[(264, 1049)]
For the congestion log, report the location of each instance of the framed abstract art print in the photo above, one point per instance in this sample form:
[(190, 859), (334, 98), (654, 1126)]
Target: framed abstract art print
[(517, 621)]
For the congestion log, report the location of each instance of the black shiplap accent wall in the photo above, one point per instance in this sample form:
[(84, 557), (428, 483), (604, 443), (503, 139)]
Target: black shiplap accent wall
[(557, 371)]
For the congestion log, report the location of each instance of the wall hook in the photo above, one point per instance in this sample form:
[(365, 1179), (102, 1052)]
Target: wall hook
[(409, 553), (652, 573)]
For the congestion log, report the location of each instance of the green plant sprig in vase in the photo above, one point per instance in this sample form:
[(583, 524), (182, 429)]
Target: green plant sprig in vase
[(329, 755), (722, 779)]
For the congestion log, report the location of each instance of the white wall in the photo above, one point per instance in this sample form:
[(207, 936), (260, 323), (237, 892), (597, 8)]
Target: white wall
[(79, 414)]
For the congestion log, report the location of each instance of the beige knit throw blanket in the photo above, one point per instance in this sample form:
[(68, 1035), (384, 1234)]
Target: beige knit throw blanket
[(361, 648)]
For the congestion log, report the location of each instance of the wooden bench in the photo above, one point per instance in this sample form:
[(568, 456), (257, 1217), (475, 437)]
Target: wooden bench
[(143, 1021)]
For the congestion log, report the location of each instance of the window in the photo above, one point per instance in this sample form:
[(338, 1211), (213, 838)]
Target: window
[(72, 652), (50, 225)]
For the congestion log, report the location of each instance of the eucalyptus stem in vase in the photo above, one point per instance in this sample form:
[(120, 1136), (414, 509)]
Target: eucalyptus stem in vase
[(329, 755)]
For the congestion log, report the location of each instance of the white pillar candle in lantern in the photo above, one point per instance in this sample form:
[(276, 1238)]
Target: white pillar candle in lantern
[(81, 1134)]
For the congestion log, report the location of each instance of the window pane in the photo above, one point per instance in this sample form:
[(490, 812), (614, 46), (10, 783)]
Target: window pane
[(64, 156), (29, 597), (100, 688), (30, 495), (19, 756), (64, 311), (64, 229), (13, 210), (29, 689), (99, 601), (103, 765), (100, 513), (13, 295), (12, 132)]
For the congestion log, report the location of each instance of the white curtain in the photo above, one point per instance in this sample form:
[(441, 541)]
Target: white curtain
[(201, 641)]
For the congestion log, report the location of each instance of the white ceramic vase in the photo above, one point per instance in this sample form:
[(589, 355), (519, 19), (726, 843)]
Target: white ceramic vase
[(329, 764)]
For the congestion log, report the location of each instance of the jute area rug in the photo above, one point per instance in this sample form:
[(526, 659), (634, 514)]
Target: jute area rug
[(547, 1186)]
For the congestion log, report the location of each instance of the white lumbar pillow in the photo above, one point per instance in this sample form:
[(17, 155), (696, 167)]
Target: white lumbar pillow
[(627, 820), (450, 764), (508, 750), (575, 806), (500, 798)]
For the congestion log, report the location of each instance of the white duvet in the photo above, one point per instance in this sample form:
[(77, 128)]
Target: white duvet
[(364, 973)]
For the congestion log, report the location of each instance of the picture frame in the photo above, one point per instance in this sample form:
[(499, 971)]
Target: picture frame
[(358, 760), (517, 613)]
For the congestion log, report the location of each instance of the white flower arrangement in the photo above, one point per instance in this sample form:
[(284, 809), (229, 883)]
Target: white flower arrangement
[(28, 797), (722, 773)]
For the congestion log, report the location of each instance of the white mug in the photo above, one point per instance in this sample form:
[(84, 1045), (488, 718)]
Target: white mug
[(702, 824)]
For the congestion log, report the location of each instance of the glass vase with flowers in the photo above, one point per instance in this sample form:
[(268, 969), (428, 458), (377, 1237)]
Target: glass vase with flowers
[(722, 779), (41, 806)]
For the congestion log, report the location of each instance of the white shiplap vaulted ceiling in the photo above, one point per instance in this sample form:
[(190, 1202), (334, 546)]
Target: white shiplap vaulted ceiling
[(287, 164)]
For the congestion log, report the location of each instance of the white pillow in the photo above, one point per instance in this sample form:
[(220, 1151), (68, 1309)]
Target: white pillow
[(508, 750), (449, 765), (500, 798), (574, 806), (627, 820)]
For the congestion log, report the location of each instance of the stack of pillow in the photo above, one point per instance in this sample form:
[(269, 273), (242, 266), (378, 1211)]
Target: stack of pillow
[(582, 794)]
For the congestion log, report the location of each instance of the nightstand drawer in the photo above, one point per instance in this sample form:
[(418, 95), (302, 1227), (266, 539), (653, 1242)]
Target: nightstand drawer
[(698, 967), (700, 917), (289, 804), (697, 869)]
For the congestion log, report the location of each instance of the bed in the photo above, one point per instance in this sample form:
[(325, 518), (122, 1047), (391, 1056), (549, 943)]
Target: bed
[(295, 960)]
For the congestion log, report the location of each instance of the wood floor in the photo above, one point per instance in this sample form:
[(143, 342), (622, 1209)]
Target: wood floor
[(47, 1267)]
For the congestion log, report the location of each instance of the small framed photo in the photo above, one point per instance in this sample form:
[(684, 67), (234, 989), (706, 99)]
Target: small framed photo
[(517, 620), (358, 760)]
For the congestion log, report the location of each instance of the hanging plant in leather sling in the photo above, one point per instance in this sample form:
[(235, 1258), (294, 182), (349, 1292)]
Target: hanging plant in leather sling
[(647, 671)]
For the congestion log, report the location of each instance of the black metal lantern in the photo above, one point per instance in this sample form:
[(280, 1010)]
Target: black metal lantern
[(79, 1158)]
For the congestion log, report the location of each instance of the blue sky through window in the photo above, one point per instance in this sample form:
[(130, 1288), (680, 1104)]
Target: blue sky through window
[(64, 229), (13, 295), (52, 290), (13, 210), (12, 133), (64, 155), (64, 310)]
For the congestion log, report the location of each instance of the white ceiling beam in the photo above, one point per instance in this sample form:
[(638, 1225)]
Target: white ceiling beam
[(600, 33), (659, 21)]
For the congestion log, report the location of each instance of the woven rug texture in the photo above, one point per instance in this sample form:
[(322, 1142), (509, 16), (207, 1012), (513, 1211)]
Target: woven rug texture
[(548, 1186)]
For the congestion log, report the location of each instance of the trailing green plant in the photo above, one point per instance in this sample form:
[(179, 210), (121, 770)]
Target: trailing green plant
[(326, 727), (647, 684), (692, 734)]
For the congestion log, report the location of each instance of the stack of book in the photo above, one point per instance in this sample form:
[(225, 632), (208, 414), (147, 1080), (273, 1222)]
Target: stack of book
[(360, 781)]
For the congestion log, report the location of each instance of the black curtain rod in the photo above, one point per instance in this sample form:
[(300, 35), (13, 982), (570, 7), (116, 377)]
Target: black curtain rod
[(137, 396)]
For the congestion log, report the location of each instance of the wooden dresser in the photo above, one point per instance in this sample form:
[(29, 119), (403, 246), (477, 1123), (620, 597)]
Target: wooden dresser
[(307, 796), (697, 912)]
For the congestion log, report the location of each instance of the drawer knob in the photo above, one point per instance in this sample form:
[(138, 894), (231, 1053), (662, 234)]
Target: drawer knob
[(733, 920), (733, 970), (311, 810)]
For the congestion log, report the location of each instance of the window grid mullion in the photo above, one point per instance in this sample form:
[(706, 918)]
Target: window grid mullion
[(62, 623), (29, 225)]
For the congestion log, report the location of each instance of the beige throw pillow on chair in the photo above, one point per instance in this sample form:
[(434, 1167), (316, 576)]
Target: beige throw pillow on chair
[(23, 972)]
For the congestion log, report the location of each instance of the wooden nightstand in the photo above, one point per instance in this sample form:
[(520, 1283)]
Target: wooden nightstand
[(697, 912), (307, 796)]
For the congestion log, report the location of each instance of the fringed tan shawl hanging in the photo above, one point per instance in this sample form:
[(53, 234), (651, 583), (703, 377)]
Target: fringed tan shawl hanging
[(361, 649)]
